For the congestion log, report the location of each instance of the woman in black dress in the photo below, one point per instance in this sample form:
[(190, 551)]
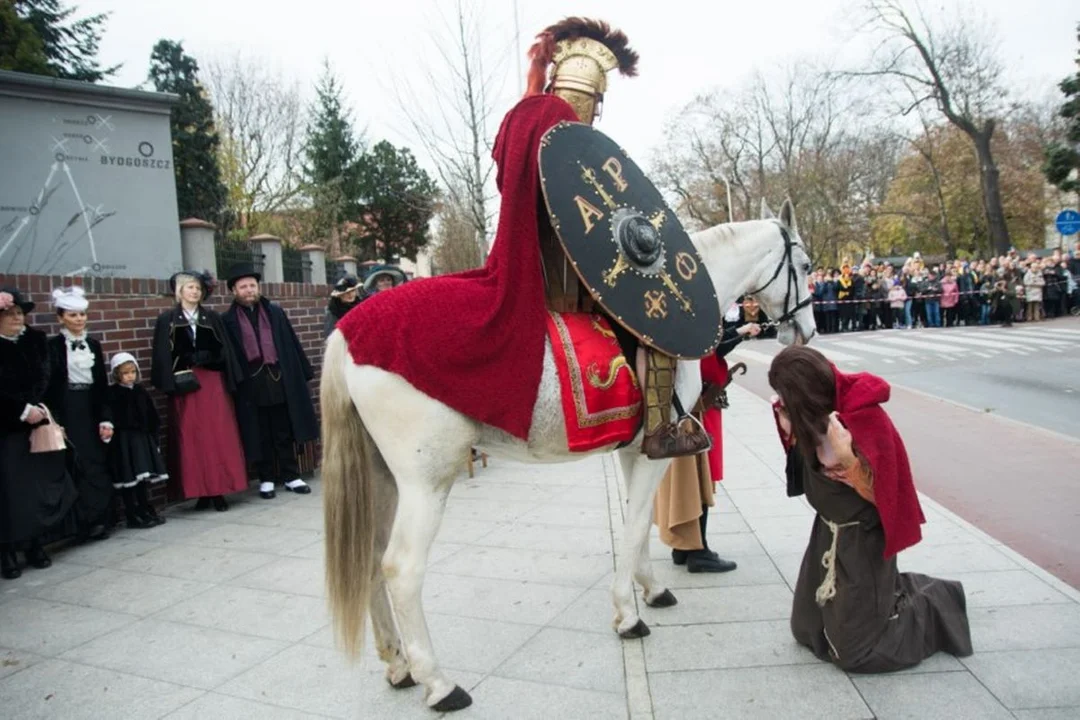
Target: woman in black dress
[(346, 295), (36, 491), (78, 386)]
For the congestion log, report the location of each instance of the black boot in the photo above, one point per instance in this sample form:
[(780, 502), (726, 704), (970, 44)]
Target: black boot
[(37, 557), (9, 564), (219, 503), (203, 503), (705, 560), (145, 508)]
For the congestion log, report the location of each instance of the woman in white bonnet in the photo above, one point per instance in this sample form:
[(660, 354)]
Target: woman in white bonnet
[(78, 397)]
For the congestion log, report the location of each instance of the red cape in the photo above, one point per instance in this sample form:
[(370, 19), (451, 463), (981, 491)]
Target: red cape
[(475, 340), (714, 370), (859, 397)]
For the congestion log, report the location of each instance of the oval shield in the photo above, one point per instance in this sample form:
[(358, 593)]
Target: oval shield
[(625, 244)]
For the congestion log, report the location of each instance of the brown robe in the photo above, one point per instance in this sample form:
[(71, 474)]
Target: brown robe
[(686, 487), (879, 619)]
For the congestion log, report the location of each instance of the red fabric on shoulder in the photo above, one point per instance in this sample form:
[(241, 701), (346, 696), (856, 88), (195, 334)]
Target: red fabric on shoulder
[(714, 371), (859, 397), (475, 340)]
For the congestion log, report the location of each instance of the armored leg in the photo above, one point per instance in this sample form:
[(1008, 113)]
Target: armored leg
[(664, 438)]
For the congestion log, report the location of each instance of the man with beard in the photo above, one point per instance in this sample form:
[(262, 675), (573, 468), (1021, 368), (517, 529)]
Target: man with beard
[(273, 401)]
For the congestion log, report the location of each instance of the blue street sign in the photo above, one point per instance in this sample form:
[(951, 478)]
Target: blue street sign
[(1068, 222)]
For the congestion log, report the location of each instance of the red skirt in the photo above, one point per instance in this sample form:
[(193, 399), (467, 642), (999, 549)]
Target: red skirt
[(716, 372), (205, 451)]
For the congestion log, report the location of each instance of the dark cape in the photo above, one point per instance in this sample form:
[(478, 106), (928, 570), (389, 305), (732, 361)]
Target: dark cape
[(36, 490), (134, 454), (81, 412), (880, 619), (296, 371), (170, 333)]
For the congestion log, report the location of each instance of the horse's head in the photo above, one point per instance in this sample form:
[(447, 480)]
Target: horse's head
[(780, 284)]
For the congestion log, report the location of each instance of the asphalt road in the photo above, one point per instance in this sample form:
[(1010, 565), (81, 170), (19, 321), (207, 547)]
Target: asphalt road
[(991, 419)]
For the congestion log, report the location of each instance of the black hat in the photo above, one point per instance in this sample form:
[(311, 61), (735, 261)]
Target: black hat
[(204, 278), (344, 285), (19, 299), (239, 271)]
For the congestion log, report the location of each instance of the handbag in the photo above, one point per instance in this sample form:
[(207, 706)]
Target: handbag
[(48, 437), (184, 382)]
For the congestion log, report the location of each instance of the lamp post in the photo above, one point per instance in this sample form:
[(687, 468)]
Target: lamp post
[(730, 209)]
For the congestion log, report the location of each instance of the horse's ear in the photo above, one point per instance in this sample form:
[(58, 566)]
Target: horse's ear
[(787, 215), (766, 211)]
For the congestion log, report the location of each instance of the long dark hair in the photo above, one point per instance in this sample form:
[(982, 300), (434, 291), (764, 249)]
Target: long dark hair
[(805, 382)]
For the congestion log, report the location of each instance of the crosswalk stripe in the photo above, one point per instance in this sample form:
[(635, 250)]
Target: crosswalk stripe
[(1031, 336), (867, 347), (753, 355), (937, 347), (981, 342)]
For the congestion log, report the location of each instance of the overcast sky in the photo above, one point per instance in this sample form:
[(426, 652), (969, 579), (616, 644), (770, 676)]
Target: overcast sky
[(686, 46)]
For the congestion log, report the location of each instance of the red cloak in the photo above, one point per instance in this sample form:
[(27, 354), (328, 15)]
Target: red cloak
[(475, 340), (859, 397)]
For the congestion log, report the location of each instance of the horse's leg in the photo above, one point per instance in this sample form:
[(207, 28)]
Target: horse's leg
[(422, 442), (641, 483), (387, 640)]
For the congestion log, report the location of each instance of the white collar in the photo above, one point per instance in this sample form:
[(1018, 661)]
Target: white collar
[(190, 314), (16, 336), (71, 336)]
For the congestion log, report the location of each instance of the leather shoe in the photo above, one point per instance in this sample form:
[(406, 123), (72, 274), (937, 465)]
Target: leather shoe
[(219, 503), (266, 491), (701, 561), (9, 565), (298, 486), (203, 503), (37, 557)]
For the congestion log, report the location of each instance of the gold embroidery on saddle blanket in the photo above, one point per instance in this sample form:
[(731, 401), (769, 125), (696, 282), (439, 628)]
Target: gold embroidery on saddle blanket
[(602, 404)]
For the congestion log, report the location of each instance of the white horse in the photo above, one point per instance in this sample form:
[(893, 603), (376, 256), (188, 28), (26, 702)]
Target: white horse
[(392, 453)]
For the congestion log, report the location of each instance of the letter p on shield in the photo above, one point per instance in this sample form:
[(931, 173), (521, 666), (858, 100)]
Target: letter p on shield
[(614, 168)]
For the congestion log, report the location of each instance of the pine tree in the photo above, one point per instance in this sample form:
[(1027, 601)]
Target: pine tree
[(331, 152), (398, 201), (1062, 166), (40, 37), (199, 190)]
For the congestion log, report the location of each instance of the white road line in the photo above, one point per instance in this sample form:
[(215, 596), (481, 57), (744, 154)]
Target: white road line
[(910, 361), (835, 355), (1033, 336), (870, 348), (983, 343), (933, 347)]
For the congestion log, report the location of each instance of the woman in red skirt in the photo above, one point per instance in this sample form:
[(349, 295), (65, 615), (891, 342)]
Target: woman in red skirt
[(193, 364)]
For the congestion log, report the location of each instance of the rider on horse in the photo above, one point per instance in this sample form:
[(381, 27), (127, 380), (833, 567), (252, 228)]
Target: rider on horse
[(570, 60)]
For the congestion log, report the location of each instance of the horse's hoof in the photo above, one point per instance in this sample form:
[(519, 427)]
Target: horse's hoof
[(638, 631), (458, 699), (404, 683), (663, 600)]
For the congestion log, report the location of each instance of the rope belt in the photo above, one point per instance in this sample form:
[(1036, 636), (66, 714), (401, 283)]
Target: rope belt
[(827, 590)]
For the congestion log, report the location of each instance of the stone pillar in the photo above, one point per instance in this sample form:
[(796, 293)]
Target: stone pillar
[(349, 263), (197, 245), (316, 255), (273, 271)]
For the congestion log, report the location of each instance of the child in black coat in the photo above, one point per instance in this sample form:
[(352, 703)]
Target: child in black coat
[(133, 453)]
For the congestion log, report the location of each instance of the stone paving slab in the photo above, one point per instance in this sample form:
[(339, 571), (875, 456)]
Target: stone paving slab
[(222, 615)]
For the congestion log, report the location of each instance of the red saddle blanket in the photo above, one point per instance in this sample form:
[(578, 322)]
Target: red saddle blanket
[(601, 399)]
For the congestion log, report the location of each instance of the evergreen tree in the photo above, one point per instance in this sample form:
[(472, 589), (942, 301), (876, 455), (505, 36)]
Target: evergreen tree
[(199, 190), (331, 153), (398, 199), (40, 37), (1063, 159)]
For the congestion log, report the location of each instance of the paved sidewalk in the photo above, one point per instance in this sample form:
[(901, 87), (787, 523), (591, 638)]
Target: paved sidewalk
[(222, 615)]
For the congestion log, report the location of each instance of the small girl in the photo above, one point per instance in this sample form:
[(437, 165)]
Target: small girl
[(134, 454)]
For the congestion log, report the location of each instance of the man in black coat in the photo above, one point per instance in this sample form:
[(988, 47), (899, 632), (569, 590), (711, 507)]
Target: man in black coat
[(273, 401)]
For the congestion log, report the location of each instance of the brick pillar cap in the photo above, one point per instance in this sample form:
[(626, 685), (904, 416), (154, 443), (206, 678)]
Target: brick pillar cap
[(197, 223), (343, 258), (313, 246), (265, 237)]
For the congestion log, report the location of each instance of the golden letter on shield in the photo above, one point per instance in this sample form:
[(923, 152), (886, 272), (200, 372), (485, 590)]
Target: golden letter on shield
[(588, 212), (614, 168)]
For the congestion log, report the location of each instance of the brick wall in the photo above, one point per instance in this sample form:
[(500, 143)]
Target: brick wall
[(123, 311)]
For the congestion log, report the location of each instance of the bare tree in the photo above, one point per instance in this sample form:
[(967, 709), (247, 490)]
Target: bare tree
[(455, 247), (955, 66), (259, 117), (452, 117)]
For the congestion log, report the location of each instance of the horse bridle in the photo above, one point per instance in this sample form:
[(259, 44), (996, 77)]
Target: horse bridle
[(792, 283)]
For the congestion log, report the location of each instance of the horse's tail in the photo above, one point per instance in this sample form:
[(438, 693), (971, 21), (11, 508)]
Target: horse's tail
[(350, 462)]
